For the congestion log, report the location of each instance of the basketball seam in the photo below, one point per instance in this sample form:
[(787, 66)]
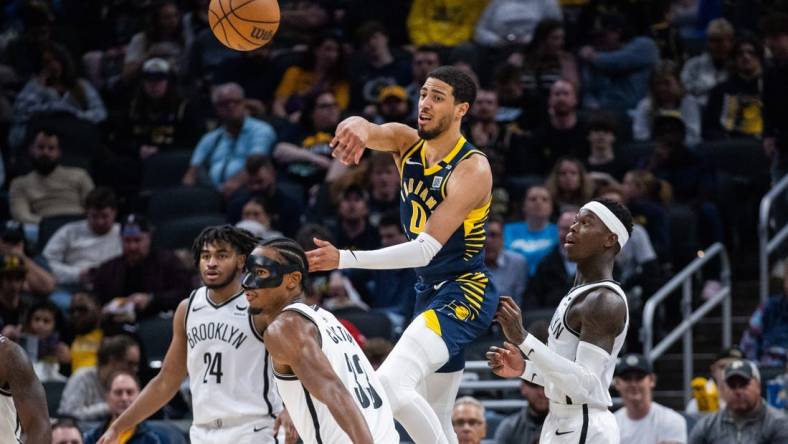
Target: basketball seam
[(253, 43), (232, 11), (224, 31)]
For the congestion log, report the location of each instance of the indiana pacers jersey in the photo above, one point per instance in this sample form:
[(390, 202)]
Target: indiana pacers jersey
[(563, 340), (422, 190), (312, 419), (230, 375)]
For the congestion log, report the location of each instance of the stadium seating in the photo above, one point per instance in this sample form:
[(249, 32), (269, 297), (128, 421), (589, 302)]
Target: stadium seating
[(176, 203)]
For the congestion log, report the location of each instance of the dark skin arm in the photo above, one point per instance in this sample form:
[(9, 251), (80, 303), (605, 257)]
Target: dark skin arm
[(27, 391), (599, 316), (293, 344)]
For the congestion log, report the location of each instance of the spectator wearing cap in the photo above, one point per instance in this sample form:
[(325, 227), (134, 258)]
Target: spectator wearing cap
[(223, 151), (715, 384), (77, 248), (735, 106), (376, 65), (642, 420), (705, 71), (392, 105), (152, 281), (775, 94), (158, 118), (12, 306), (617, 69), (353, 229), (746, 418), (666, 94), (50, 189), (39, 280)]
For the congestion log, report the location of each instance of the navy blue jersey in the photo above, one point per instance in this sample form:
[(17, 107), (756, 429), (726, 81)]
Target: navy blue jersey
[(422, 190)]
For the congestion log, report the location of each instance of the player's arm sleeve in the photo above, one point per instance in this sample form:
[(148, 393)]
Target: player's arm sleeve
[(579, 379), (532, 373), (416, 253)]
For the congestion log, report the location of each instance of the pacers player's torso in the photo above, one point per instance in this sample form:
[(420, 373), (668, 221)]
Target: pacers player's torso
[(563, 339), (230, 375), (312, 419), (422, 190)]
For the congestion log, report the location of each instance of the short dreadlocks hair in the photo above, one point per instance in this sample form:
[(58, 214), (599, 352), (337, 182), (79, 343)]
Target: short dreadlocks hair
[(242, 241)]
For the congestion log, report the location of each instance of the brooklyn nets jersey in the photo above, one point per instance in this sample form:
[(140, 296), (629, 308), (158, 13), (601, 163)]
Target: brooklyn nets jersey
[(312, 419), (563, 340), (229, 371), (10, 428)]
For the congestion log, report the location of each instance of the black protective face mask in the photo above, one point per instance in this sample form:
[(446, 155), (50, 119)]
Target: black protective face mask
[(44, 165), (276, 272)]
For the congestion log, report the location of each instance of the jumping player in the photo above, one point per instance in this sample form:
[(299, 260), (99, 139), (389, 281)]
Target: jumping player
[(585, 335), (23, 405), (233, 395), (327, 383), (445, 200)]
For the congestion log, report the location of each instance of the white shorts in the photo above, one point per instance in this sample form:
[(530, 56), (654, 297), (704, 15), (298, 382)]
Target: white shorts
[(579, 424), (255, 430)]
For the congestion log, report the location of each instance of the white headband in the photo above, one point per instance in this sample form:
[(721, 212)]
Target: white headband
[(610, 220)]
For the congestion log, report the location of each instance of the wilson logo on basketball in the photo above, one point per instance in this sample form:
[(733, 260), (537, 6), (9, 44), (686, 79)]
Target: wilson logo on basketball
[(261, 34)]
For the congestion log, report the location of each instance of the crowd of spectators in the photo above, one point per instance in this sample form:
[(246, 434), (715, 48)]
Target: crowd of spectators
[(126, 127)]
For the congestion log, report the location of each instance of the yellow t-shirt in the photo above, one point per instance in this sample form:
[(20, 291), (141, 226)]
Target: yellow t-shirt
[(297, 80), (444, 22), (84, 349)]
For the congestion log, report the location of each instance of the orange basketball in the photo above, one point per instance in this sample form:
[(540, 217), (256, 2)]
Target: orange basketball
[(243, 25)]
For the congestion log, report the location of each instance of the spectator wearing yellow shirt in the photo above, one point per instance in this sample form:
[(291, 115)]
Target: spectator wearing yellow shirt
[(85, 321), (443, 22), (323, 70)]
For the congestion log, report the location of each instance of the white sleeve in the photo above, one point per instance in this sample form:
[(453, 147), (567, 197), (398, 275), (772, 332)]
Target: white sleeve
[(416, 253), (532, 373), (579, 379)]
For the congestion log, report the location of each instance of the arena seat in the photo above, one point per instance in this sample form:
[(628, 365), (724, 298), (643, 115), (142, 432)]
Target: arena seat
[(155, 334), (54, 391), (165, 169), (175, 203), (180, 233), (370, 324)]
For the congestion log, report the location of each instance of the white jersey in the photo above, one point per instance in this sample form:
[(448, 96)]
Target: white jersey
[(563, 341), (312, 419), (230, 375), (10, 428)]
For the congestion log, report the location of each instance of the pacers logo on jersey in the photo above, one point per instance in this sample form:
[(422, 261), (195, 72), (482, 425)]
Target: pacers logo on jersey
[(457, 310)]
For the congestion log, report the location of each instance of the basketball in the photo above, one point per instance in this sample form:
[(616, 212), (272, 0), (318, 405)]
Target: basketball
[(243, 25)]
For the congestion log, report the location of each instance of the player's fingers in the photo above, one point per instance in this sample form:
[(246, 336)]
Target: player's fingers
[(321, 242), (511, 347)]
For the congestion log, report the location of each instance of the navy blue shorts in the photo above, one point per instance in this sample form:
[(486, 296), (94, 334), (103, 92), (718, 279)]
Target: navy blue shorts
[(459, 311)]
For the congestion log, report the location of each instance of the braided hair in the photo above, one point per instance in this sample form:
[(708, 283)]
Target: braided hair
[(293, 254), (242, 241)]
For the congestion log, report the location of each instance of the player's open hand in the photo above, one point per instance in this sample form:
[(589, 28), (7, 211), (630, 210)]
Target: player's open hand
[(506, 362), (511, 320), (350, 140), (323, 258), (109, 437), (283, 421)]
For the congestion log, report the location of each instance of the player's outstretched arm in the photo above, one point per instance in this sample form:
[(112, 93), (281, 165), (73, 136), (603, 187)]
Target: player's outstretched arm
[(292, 342), (162, 387), (28, 393), (468, 188), (356, 133)]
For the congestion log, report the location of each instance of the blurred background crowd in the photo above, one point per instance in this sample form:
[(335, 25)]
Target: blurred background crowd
[(126, 128)]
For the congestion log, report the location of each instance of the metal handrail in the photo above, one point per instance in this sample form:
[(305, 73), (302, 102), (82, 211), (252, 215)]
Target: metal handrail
[(690, 318), (767, 246)]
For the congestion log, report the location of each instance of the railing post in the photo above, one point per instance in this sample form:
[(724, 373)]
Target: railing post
[(725, 266), (686, 308)]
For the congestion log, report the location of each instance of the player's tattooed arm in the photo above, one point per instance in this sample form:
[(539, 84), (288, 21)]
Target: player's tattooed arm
[(603, 314), (293, 342), (27, 391)]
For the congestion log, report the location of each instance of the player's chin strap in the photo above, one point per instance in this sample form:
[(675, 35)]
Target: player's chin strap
[(610, 220), (416, 253), (580, 379)]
